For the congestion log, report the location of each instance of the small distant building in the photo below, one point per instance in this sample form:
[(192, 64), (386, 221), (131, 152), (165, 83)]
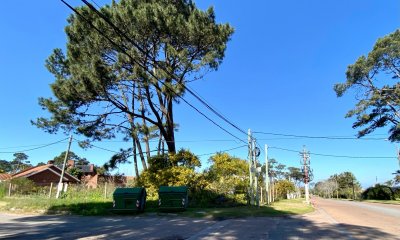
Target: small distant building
[(92, 181), (90, 178), (45, 175)]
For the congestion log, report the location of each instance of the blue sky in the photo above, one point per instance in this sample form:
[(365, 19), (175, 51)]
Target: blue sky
[(277, 77)]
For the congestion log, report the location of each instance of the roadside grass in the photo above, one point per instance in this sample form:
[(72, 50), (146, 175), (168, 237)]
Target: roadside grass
[(26, 204), (279, 208), (80, 206), (397, 201)]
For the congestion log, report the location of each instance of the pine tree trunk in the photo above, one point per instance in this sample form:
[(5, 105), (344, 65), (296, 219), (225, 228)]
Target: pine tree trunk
[(135, 159), (139, 148), (170, 128)]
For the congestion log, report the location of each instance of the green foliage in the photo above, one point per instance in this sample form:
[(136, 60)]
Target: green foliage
[(295, 174), (223, 184), (76, 172), (283, 187), (169, 170), (397, 177), (185, 158), (379, 192), (159, 162), (397, 193), (98, 86), (227, 174), (101, 170), (59, 160), (5, 166), (3, 189), (23, 185), (118, 158), (339, 184), (377, 99), (20, 162), (172, 176)]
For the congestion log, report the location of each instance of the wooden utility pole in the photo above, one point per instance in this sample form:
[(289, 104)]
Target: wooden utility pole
[(50, 190), (256, 173), (251, 188), (60, 184), (398, 155), (268, 199), (306, 167)]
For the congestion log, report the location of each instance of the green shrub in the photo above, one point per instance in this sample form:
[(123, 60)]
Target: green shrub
[(23, 186), (396, 192), (223, 184), (3, 189), (378, 192), (283, 187)]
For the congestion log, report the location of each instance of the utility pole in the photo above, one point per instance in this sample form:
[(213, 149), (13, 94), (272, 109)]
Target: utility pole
[(60, 184), (268, 200), (256, 153), (337, 187), (251, 188), (306, 169), (398, 155)]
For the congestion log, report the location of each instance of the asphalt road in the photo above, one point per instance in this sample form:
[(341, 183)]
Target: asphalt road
[(331, 220), (376, 216)]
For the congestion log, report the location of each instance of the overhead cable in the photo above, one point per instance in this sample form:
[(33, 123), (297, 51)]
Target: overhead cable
[(331, 155), (318, 137), (226, 150), (31, 149)]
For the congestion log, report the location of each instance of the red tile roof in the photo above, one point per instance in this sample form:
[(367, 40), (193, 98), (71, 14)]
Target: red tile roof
[(34, 170), (29, 171), (4, 176)]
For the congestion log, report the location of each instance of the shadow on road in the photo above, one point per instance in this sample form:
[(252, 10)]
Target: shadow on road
[(176, 227)]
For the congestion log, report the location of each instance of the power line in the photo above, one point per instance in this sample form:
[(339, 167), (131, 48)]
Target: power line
[(226, 150), (330, 155), (43, 146), (145, 68), (109, 150), (319, 137), (154, 63), (179, 141), (24, 146), (95, 3)]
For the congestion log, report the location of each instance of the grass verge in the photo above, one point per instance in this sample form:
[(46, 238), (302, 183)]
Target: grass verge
[(383, 201), (100, 207)]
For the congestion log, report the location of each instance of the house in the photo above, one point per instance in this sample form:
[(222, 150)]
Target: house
[(45, 175), (94, 180), (90, 178)]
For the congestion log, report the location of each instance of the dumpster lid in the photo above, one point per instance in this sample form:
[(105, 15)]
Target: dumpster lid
[(136, 190), (174, 189)]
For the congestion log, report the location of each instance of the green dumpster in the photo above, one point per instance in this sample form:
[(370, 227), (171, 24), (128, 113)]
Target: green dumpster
[(129, 199), (173, 198)]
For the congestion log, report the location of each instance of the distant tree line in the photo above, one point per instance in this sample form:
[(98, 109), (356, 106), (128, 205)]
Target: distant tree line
[(18, 163), (343, 185)]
